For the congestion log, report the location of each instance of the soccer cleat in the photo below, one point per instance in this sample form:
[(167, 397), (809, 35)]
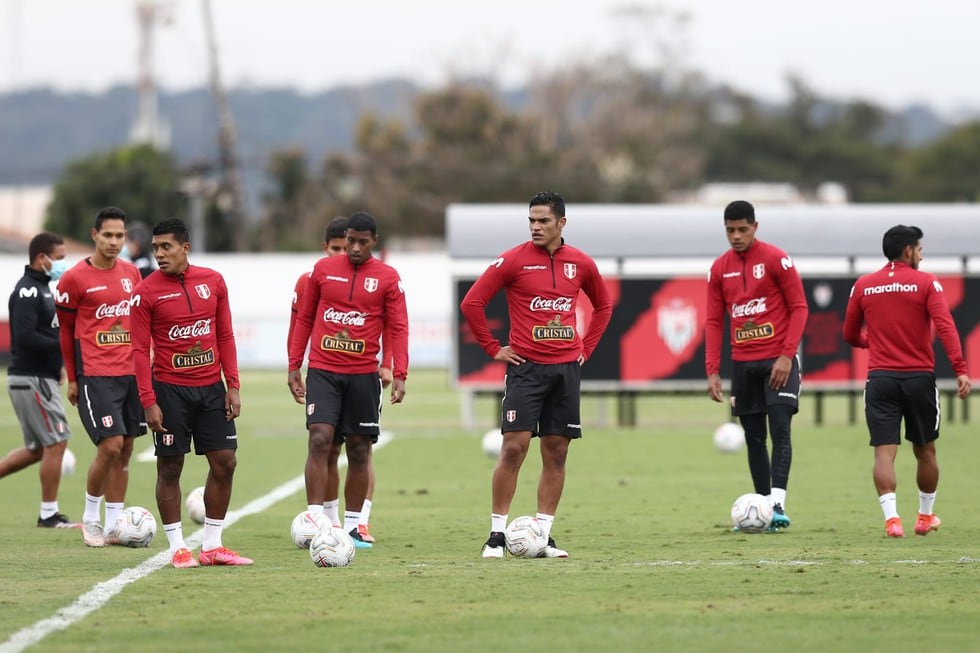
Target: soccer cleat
[(92, 534), (359, 542), (926, 523), (779, 518), (183, 559), (893, 527), (223, 557), (552, 551), (362, 530), (57, 520), (112, 537), (494, 548)]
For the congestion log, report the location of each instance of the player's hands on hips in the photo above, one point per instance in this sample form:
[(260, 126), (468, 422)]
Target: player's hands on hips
[(714, 388), (296, 386), (154, 418), (397, 391), (233, 404), (508, 355), (73, 393), (780, 372), (963, 386), (384, 373)]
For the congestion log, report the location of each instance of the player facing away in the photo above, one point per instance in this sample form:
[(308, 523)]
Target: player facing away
[(348, 303), (35, 372), (181, 311), (93, 306), (758, 287), (335, 244), (891, 313), (542, 279)]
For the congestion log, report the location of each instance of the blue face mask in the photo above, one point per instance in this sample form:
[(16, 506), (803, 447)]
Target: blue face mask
[(58, 268)]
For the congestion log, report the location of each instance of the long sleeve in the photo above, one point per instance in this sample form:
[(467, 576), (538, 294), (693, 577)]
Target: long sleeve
[(597, 293), (303, 327), (396, 329), (854, 334), (474, 306), (142, 343), (946, 330), (66, 320), (792, 288), (227, 351), (714, 324)]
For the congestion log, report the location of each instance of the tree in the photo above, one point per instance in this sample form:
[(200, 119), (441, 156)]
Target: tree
[(945, 171)]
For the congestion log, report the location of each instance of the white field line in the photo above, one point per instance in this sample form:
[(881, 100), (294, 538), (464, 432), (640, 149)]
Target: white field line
[(99, 595), (797, 563)]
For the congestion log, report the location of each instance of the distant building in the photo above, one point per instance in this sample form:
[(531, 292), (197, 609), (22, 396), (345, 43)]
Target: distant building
[(22, 211)]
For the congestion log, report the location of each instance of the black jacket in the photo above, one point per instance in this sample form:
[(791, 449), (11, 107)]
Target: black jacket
[(34, 346)]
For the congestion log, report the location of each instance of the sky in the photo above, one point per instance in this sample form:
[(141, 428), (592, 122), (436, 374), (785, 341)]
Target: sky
[(891, 52)]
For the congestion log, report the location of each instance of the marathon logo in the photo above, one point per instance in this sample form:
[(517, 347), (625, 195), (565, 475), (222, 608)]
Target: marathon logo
[(752, 331), (891, 287), (553, 330), (343, 343), (193, 358)]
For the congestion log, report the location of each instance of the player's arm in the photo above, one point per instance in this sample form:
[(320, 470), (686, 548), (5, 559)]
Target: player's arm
[(298, 290), (945, 327), (396, 325), (227, 352), (595, 289), (475, 302), (24, 317), (385, 369), (853, 331), (298, 341), (791, 287), (714, 323), (66, 320), (140, 336)]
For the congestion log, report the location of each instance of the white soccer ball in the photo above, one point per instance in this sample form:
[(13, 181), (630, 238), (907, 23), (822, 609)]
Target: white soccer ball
[(729, 437), (305, 526), (136, 527), (331, 547), (751, 513), (68, 463), (492, 441), (525, 538), (195, 505)]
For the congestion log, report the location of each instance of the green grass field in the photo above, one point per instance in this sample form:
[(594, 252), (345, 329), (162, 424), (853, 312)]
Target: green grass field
[(653, 566)]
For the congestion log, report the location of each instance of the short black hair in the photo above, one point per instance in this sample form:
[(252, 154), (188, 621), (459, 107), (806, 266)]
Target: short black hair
[(362, 222), (552, 200), (740, 210), (173, 226), (43, 243), (896, 239), (109, 213), (337, 228)]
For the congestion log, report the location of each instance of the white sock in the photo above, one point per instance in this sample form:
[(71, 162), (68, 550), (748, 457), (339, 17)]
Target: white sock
[(889, 505), (926, 502), (366, 512), (332, 510), (212, 533), (498, 523), (351, 520), (48, 508), (546, 521), (315, 509), (112, 513), (175, 536), (778, 496), (93, 508)]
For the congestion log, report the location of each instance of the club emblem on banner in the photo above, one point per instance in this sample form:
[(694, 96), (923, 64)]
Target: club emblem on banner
[(677, 324)]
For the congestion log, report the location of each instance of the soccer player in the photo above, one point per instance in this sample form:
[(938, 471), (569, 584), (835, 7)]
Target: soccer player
[(181, 311), (756, 284), (349, 301), (891, 313), (93, 307), (542, 279), (35, 372), (335, 244)]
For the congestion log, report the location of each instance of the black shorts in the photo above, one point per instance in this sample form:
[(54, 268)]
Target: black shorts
[(109, 406), (751, 394), (351, 403), (544, 399), (193, 413), (893, 397)]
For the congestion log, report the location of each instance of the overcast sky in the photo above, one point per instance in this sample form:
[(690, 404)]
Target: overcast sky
[(893, 52)]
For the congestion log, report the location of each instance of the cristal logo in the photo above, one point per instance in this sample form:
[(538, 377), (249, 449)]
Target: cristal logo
[(755, 306), (557, 305), (114, 310), (350, 318), (199, 328)]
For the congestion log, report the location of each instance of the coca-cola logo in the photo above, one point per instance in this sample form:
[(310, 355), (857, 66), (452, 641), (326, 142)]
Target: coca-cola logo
[(755, 306), (556, 305), (196, 330), (112, 310), (348, 318)]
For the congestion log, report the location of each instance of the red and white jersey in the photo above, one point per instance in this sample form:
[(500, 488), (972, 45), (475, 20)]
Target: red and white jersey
[(346, 308), (542, 291), (93, 309), (761, 292), (186, 320), (898, 305)]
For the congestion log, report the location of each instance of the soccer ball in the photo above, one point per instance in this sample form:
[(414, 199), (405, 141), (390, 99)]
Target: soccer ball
[(136, 527), (492, 441), (68, 463), (305, 525), (195, 505), (525, 538), (751, 513), (331, 547), (729, 437)]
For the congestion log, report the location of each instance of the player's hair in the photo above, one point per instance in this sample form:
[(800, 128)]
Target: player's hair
[(552, 200), (336, 229), (43, 243), (109, 213), (173, 226), (897, 239), (362, 222), (740, 210)]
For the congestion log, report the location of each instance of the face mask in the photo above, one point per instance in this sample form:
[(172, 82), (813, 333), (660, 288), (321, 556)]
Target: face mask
[(58, 268)]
